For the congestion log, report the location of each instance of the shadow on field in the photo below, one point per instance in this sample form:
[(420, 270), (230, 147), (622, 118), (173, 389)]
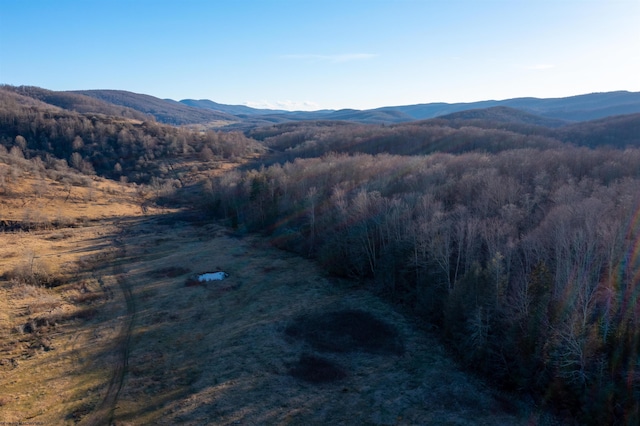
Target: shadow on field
[(275, 343), (346, 331), (315, 369)]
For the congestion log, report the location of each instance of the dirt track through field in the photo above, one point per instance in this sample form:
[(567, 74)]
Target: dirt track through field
[(105, 412)]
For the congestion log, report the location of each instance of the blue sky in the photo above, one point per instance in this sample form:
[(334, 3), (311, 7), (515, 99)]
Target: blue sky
[(312, 54)]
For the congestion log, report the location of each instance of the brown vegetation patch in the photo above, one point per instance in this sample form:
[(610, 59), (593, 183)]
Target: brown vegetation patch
[(194, 282), (58, 236), (84, 314), (43, 304), (346, 331), (315, 369), (4, 400), (24, 274), (88, 297), (169, 272)]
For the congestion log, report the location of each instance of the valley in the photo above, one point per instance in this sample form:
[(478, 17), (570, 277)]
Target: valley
[(479, 267), (98, 327)]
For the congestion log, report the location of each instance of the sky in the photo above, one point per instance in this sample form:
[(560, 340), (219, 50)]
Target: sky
[(324, 54)]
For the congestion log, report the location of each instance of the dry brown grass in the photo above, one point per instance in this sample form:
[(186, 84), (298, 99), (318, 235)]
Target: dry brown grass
[(122, 338), (49, 303)]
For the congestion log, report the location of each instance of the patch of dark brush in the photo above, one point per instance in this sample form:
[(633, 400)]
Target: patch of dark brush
[(193, 282), (192, 217), (169, 272), (315, 369), (348, 330), (79, 413)]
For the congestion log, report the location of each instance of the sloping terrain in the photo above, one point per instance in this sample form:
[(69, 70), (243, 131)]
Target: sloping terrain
[(502, 114), (585, 107), (574, 108), (98, 326), (169, 112), (54, 239), (75, 102), (229, 109), (617, 131)]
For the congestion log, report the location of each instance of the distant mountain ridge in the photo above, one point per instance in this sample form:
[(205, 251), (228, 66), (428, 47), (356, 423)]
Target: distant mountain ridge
[(546, 112), (573, 108), (229, 109), (165, 111), (76, 102), (189, 111)]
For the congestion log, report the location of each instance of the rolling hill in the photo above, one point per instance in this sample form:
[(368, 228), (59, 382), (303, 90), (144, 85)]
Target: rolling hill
[(229, 109), (165, 111), (555, 111), (503, 114), (76, 102), (574, 108)]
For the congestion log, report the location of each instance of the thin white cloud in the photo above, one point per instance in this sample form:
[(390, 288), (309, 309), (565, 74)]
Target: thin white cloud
[(286, 105), (337, 58), (539, 67)]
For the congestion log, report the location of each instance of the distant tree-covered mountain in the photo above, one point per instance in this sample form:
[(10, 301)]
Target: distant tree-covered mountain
[(165, 111), (618, 131), (229, 109), (506, 115), (554, 111), (77, 102), (574, 108), (542, 113)]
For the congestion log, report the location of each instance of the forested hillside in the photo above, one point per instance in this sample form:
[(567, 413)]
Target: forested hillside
[(114, 147), (165, 111), (73, 102), (491, 131), (522, 254)]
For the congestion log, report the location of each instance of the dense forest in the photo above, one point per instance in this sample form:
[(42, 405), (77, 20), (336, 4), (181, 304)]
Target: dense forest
[(524, 259), (513, 237), (491, 131)]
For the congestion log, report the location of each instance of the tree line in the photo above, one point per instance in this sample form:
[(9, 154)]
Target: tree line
[(526, 260)]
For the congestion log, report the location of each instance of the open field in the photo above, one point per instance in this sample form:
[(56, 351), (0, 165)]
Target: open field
[(97, 326)]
